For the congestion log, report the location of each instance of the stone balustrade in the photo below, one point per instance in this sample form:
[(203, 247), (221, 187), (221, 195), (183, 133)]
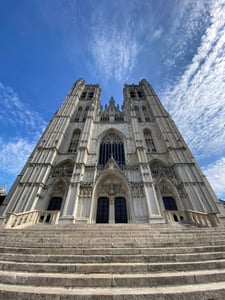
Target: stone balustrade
[(29, 218), (192, 217)]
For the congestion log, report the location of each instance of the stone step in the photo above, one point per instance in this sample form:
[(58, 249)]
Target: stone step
[(114, 243), (115, 268), (116, 262), (112, 280), (113, 229), (87, 238), (170, 232), (213, 291), (113, 251), (103, 258)]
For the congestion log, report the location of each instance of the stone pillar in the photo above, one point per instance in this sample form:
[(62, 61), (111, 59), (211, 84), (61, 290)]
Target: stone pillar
[(111, 210)]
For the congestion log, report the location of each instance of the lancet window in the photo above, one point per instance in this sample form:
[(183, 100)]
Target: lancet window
[(137, 113), (78, 113), (140, 94), (146, 115), (149, 141), (111, 146), (74, 141), (85, 113)]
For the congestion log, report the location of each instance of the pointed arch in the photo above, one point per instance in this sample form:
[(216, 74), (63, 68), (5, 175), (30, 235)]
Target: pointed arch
[(111, 146), (169, 194), (111, 187), (63, 169), (57, 194)]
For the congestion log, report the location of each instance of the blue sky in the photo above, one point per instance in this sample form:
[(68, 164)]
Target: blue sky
[(177, 45)]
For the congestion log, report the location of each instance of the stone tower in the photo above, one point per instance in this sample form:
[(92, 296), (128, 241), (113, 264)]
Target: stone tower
[(128, 165)]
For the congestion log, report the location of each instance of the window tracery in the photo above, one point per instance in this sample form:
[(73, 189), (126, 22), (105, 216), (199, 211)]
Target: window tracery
[(74, 141), (112, 146), (63, 170), (146, 114), (138, 115), (149, 141)]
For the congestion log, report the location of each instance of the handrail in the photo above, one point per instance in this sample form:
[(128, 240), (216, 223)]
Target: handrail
[(29, 218), (192, 217)]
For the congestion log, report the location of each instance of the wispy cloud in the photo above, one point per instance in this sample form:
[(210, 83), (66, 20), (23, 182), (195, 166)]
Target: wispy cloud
[(157, 34), (114, 52), (16, 114), (215, 174), (196, 102), (188, 20), (14, 154), (23, 127)]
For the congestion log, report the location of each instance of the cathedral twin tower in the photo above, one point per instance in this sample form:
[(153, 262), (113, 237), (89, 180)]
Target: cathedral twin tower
[(112, 166)]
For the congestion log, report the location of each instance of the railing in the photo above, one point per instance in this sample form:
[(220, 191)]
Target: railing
[(192, 217), (29, 218)]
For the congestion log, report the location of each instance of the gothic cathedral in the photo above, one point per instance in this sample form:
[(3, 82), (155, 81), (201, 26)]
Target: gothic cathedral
[(113, 165)]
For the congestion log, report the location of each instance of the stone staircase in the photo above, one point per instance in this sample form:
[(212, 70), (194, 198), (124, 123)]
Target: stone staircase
[(120, 261)]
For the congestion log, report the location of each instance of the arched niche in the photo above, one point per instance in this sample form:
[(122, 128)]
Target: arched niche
[(168, 195), (57, 195)]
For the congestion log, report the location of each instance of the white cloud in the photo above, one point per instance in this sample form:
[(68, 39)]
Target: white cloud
[(157, 34), (14, 154), (114, 52), (16, 114), (196, 102), (188, 19), (23, 127), (215, 174)]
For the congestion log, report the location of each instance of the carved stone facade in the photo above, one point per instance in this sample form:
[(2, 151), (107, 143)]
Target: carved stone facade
[(111, 165)]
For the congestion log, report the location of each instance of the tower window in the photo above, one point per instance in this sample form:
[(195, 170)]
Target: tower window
[(146, 114), (149, 141), (112, 146), (83, 95), (137, 113), (78, 113), (132, 94), (74, 141), (140, 94), (91, 95)]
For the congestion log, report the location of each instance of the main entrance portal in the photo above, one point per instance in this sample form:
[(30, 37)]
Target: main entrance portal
[(117, 209)]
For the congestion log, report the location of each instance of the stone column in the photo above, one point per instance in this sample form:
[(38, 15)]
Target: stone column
[(111, 210)]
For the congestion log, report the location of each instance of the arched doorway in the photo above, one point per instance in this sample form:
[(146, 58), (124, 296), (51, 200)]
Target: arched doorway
[(169, 203), (55, 203), (120, 210), (102, 215), (111, 194)]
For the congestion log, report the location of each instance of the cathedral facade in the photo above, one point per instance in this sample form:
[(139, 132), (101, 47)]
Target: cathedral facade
[(112, 165)]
